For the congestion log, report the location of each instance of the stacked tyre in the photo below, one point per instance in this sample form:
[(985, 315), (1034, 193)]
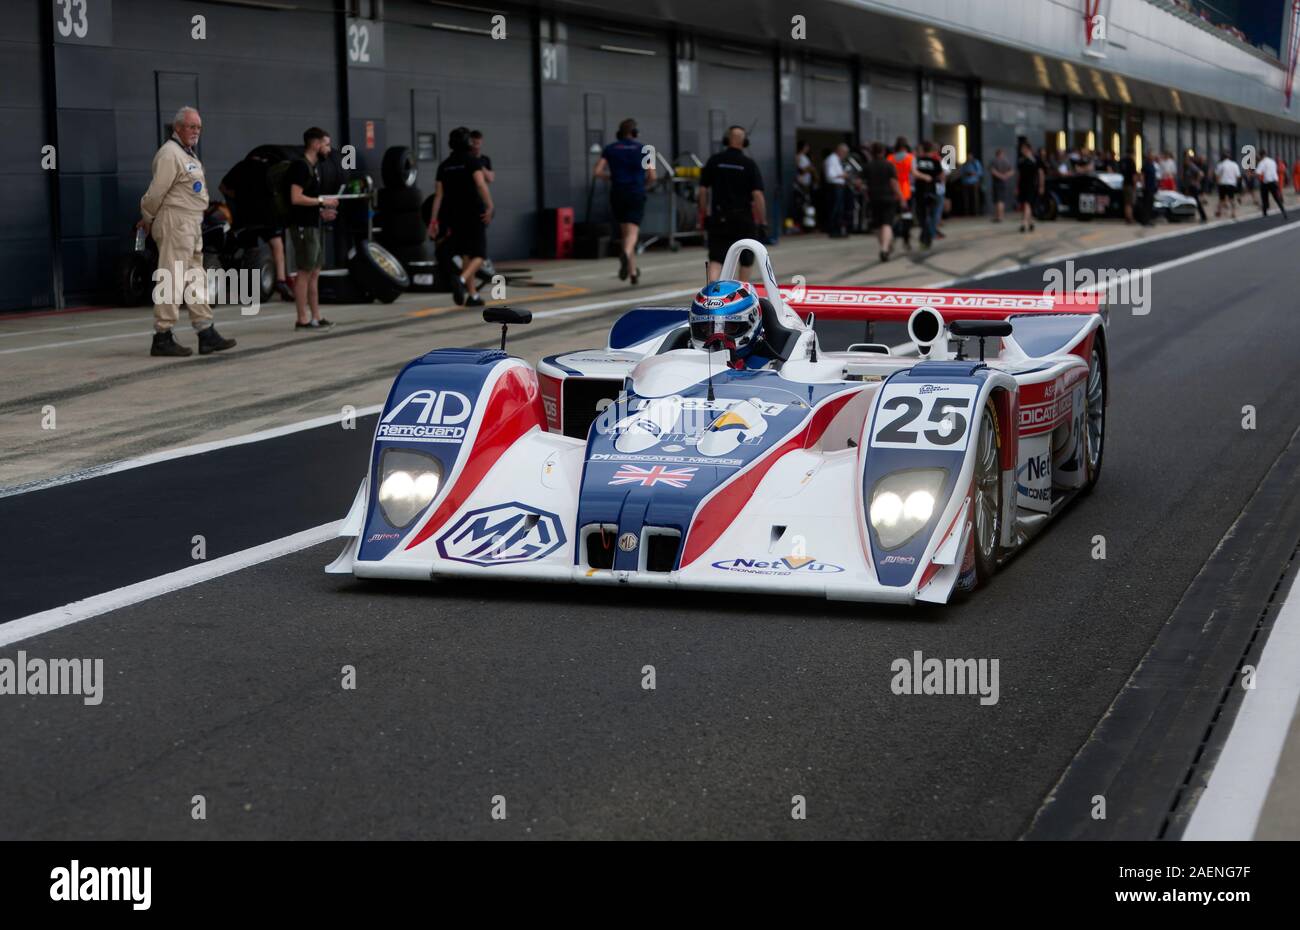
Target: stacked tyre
[(398, 215)]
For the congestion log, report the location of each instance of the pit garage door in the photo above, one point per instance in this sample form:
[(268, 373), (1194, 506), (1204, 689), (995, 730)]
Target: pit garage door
[(891, 107), (445, 70), (1009, 114), (735, 87), (257, 75), (610, 74)]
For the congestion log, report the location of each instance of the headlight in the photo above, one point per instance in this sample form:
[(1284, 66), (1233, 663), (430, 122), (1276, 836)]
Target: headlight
[(903, 503), (408, 483)]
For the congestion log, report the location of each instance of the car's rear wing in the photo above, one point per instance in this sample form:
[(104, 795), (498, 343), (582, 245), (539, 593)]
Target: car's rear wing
[(895, 305)]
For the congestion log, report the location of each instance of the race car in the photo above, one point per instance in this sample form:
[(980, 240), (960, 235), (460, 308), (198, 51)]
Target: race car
[(719, 447)]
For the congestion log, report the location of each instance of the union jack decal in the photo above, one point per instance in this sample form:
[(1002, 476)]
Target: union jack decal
[(649, 477)]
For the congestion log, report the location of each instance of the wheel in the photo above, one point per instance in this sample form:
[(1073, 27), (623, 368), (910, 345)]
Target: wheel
[(1048, 209), (378, 271), (988, 496), (426, 210), (258, 258), (338, 286), (399, 168), (135, 278), (1095, 422)]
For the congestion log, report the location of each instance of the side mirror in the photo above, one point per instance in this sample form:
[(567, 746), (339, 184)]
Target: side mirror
[(505, 316)]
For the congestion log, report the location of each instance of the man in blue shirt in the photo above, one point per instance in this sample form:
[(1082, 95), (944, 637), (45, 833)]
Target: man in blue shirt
[(972, 177), (629, 170)]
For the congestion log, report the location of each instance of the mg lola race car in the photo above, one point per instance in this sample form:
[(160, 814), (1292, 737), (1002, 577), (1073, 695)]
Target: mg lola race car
[(895, 474)]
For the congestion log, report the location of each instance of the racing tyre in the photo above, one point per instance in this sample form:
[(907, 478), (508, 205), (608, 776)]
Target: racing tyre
[(399, 168), (135, 278), (258, 258), (1095, 415), (1048, 209), (426, 211), (988, 496), (378, 271)]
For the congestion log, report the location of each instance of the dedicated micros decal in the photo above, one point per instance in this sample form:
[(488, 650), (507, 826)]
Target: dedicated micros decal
[(913, 415), (427, 416), (502, 535), (786, 566), (714, 427)]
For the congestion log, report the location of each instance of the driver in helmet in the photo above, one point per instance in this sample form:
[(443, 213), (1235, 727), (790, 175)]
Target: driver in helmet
[(727, 315)]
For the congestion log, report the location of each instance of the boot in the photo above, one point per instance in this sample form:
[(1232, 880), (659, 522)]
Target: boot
[(166, 344), (212, 341)]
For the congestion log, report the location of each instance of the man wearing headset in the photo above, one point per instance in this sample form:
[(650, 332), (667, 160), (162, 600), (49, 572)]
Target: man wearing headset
[(622, 165), (462, 209), (731, 204)]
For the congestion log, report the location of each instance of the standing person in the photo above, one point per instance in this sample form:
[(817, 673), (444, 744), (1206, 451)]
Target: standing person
[(1031, 182), (307, 208), (1193, 180), (925, 184), (905, 168), (1227, 175), (731, 202), (972, 179), (620, 165), (1001, 171), (485, 270), (833, 171), (1149, 181), (805, 186), (172, 211), (1128, 170), (884, 195), (1268, 182), (463, 204), (1295, 168), (940, 177), (1168, 173)]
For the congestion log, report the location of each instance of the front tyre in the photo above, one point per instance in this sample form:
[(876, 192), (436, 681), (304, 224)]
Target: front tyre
[(988, 496), (1095, 416)]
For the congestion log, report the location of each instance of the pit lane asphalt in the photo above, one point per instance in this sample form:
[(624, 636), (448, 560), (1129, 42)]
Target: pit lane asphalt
[(231, 689)]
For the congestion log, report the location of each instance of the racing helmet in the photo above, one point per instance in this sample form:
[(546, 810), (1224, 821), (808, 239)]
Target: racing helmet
[(729, 309)]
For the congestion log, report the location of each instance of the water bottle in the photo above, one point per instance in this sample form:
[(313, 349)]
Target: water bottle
[(139, 239)]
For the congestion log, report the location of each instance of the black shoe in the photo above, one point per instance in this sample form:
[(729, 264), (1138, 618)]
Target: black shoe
[(284, 290), (324, 323), (458, 291), (474, 301), (636, 276), (884, 256), (165, 344), (622, 266), (212, 341), (310, 324)]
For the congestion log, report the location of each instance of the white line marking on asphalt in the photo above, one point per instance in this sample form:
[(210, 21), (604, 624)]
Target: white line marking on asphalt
[(110, 468), (58, 617), (137, 334), (1239, 785)]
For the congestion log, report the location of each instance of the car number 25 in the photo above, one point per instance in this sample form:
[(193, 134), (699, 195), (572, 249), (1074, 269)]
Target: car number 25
[(924, 416)]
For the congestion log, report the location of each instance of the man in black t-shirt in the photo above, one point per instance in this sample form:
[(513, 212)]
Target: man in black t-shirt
[(884, 195), (929, 169), (307, 208), (731, 204), (462, 210)]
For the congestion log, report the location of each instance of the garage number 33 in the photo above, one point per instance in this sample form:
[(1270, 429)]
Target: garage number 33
[(925, 416)]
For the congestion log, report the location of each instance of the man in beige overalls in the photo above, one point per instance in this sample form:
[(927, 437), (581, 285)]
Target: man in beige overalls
[(172, 208)]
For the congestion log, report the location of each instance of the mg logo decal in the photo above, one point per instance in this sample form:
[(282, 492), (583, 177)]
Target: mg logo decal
[(502, 535)]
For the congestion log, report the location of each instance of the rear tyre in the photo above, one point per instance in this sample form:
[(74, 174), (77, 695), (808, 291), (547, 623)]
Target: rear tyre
[(399, 168), (258, 258), (988, 496), (378, 271), (1095, 416), (135, 278)]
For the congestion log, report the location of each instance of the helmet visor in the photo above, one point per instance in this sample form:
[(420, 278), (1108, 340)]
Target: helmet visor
[(732, 329)]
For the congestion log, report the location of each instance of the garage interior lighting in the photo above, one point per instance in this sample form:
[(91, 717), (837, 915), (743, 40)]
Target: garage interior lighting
[(1092, 141), (1060, 140), (627, 49), (1137, 149), (961, 143), (1114, 145)]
